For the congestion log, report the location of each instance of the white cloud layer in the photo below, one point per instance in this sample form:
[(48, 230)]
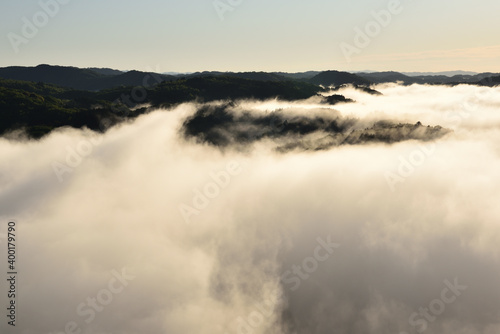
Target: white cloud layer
[(400, 243)]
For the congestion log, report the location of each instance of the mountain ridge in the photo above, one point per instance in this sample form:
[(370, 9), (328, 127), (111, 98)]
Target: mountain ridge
[(97, 79)]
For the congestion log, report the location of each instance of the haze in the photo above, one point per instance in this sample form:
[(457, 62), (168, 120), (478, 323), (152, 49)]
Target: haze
[(279, 35)]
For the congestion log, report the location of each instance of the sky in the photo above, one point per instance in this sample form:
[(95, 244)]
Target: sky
[(257, 35)]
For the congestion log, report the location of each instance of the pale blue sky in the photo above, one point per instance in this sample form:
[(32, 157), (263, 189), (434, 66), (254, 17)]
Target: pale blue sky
[(268, 35)]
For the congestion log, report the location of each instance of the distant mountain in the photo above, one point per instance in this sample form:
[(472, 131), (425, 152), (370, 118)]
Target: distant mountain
[(133, 78), (384, 77), (98, 79), (299, 75), (390, 76), (57, 75), (176, 73), (82, 79), (336, 78), (456, 79), (210, 88), (446, 73), (105, 71), (490, 81), (479, 77), (259, 76)]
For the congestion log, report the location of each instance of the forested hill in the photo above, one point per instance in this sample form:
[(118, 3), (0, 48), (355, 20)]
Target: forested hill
[(39, 107), (96, 79), (81, 79), (39, 99)]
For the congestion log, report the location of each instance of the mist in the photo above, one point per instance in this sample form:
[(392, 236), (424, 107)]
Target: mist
[(252, 227)]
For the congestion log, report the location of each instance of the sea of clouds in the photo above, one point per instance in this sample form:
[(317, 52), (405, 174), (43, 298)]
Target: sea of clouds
[(145, 230)]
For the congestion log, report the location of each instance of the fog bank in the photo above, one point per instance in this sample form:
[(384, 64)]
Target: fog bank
[(145, 230)]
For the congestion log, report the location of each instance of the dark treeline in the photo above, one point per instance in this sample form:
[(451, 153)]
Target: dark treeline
[(42, 98), (38, 108)]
